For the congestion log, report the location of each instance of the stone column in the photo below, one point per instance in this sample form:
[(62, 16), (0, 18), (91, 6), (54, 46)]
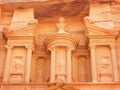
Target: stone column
[(28, 63), (115, 64), (0, 13), (52, 70), (7, 64), (69, 74), (93, 64)]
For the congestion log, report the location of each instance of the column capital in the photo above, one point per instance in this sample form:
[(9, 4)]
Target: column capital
[(70, 48), (29, 47), (52, 48), (92, 46), (9, 46), (112, 45)]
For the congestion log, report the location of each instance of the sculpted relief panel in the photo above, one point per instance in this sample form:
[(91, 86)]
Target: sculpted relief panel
[(104, 64), (17, 68), (61, 64)]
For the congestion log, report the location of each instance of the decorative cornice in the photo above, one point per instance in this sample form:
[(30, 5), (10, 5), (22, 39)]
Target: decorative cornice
[(61, 39), (27, 31), (93, 30)]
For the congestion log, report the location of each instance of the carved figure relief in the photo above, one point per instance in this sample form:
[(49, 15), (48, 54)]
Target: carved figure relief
[(61, 69), (18, 63), (105, 69), (61, 25), (61, 66)]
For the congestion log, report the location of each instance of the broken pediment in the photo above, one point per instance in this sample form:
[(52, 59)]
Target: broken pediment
[(92, 29), (27, 31)]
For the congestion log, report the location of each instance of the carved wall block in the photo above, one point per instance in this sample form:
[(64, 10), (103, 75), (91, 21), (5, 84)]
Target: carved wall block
[(18, 63), (61, 64), (17, 67), (104, 63), (105, 69)]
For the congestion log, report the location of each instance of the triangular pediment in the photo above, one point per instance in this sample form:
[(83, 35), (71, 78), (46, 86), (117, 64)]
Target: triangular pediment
[(95, 30), (27, 31), (92, 29)]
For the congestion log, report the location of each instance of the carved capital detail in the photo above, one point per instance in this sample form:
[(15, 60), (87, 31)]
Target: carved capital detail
[(92, 46), (29, 47), (112, 45), (9, 46), (61, 40)]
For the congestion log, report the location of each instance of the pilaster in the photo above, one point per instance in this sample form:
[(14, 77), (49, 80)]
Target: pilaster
[(7, 63), (69, 66), (52, 70), (114, 62), (93, 63), (28, 63)]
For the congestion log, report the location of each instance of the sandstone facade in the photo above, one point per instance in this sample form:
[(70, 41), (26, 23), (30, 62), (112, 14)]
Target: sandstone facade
[(60, 45)]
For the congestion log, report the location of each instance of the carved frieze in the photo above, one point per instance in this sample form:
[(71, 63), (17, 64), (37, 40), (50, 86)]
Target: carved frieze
[(102, 41)]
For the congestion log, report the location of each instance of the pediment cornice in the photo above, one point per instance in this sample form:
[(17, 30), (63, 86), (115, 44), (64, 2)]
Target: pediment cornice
[(23, 32), (93, 30)]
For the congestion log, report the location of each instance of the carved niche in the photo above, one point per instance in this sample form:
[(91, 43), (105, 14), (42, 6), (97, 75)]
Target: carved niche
[(81, 68), (40, 69)]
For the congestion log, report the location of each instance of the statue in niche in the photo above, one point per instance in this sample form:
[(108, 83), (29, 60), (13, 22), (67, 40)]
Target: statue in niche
[(61, 71), (61, 66), (18, 63), (41, 70), (105, 70), (61, 25)]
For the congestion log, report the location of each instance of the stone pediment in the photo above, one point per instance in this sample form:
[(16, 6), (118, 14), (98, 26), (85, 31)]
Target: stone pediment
[(92, 29), (27, 31)]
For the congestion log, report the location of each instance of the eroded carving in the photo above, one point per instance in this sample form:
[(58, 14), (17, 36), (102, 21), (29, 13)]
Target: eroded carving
[(61, 25), (41, 70), (61, 71), (18, 63), (104, 69)]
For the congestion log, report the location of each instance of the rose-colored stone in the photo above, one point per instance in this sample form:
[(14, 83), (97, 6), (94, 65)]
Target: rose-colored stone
[(60, 45)]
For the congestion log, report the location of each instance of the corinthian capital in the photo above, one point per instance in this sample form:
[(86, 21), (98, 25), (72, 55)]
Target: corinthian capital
[(29, 47), (92, 46), (9, 46)]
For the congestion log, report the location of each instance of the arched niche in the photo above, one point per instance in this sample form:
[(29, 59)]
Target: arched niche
[(81, 68), (41, 69)]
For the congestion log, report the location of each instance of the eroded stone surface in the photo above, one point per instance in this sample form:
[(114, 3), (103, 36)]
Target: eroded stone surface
[(59, 45)]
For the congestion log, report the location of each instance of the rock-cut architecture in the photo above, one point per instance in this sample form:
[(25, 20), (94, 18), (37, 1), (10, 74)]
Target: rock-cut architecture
[(59, 44)]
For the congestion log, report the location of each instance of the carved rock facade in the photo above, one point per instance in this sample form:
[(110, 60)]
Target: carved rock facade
[(60, 51)]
